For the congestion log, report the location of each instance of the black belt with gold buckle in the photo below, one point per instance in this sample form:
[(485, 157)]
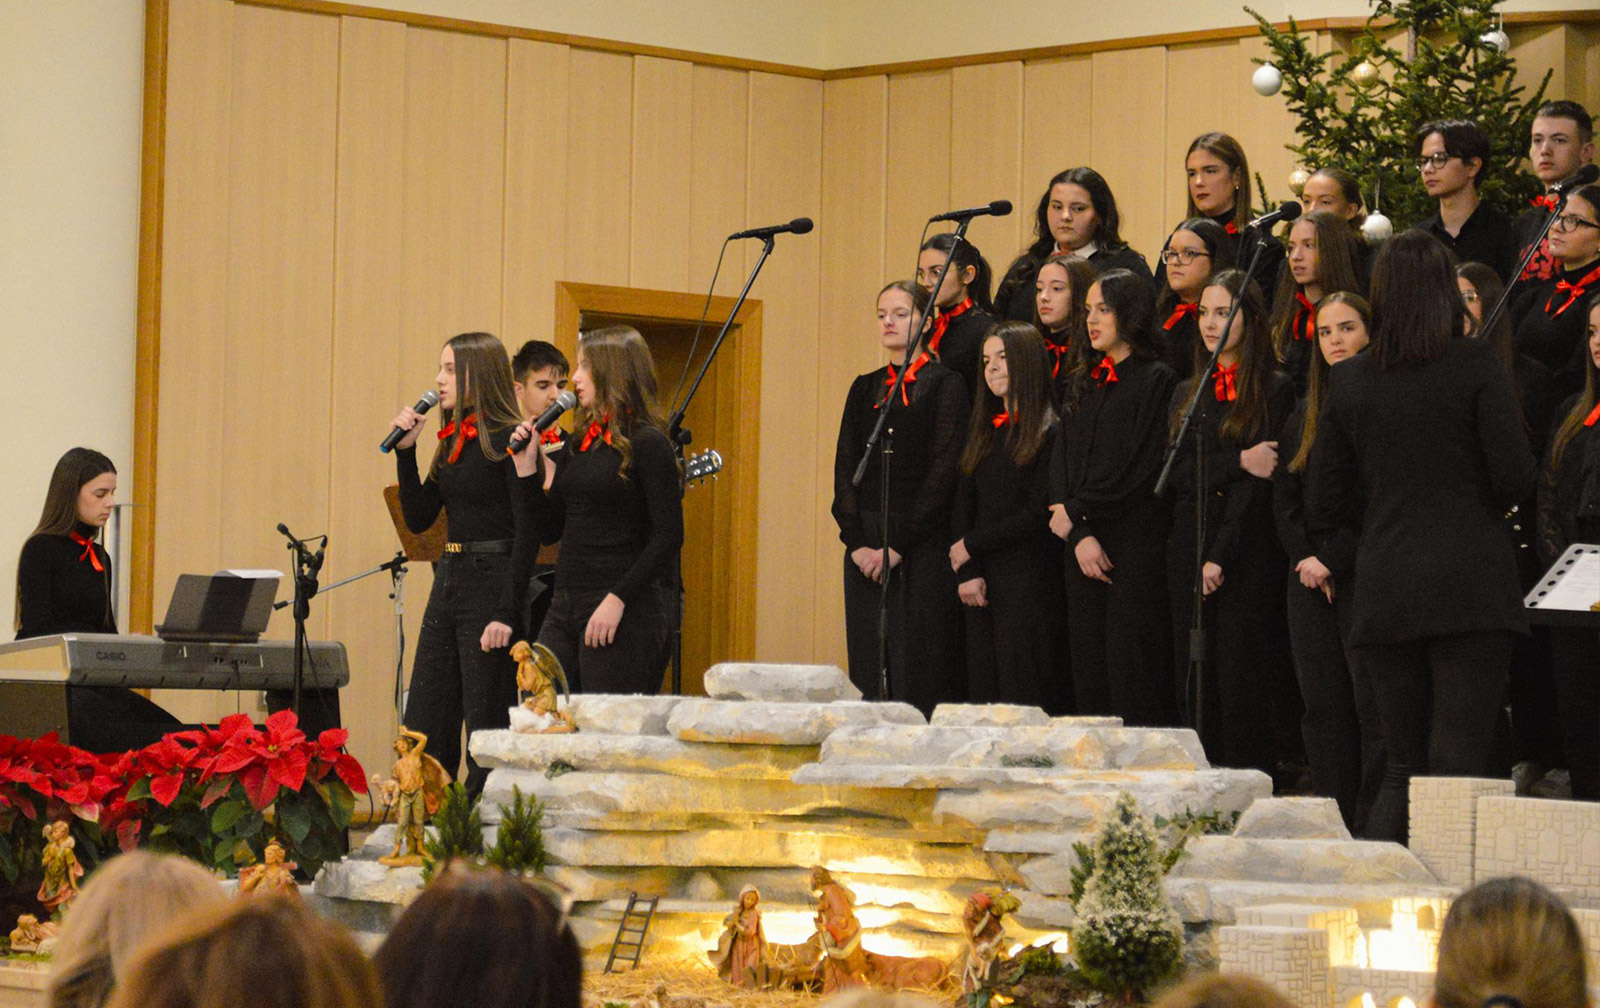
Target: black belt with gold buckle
[(482, 547)]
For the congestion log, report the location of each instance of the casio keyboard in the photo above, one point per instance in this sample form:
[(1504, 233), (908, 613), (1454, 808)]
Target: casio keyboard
[(34, 673)]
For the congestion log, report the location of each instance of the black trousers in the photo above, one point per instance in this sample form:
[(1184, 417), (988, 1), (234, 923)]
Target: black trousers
[(1438, 699), (631, 663), (925, 649), (1016, 648), (453, 680), (1342, 730), (1575, 669), (1120, 633)]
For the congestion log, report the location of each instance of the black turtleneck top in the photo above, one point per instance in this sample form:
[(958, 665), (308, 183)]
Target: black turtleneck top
[(1552, 334), (58, 588)]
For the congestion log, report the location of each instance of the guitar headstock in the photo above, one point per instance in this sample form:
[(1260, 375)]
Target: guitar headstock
[(698, 467)]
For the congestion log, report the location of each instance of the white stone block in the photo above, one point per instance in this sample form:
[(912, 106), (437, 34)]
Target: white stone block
[(953, 715), (1553, 842), (1293, 960), (1444, 812), (1290, 818), (1341, 924), (1077, 801), (1313, 862), (638, 754), (697, 720), (621, 713), (779, 683)]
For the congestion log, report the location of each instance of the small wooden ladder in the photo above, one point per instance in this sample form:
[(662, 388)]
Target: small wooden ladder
[(629, 943)]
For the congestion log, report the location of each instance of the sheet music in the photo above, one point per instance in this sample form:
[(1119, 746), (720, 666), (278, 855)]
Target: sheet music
[(249, 573), (1572, 583)]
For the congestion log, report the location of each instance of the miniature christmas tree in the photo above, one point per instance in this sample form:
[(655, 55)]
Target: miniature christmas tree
[(519, 840), (457, 832), (1360, 107), (1128, 939)]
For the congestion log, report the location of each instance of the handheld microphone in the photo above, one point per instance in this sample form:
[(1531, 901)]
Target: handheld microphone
[(800, 225), (998, 208), (429, 400), (1586, 175), (564, 402), (1285, 212)]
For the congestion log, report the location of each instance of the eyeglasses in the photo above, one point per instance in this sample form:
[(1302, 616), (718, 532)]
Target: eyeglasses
[(1173, 257), (1572, 222), (1470, 297), (1434, 161)]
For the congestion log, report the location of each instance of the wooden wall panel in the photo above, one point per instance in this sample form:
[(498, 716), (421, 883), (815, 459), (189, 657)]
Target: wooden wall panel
[(536, 189), (854, 132), (1200, 98), (663, 103), (785, 180), (599, 155), (1265, 124), (1124, 137), (370, 380), (718, 127), (918, 164), (1056, 97), (986, 152)]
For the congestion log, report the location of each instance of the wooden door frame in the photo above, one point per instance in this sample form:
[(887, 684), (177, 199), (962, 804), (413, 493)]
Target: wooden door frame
[(739, 435)]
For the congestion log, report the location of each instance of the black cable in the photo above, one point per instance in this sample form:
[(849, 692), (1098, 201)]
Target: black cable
[(694, 344)]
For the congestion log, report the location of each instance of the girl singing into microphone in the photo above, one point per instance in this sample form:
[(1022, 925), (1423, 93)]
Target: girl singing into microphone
[(463, 671), (962, 309), (616, 505)]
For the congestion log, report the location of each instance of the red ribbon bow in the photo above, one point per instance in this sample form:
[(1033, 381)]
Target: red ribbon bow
[(1573, 291), (599, 430), (1000, 420), (1231, 227), (88, 553), (551, 435), (942, 322), (1546, 202), (1179, 310), (469, 432), (1308, 312), (1105, 372), (1224, 385), (911, 376), (1058, 351), (1593, 417)]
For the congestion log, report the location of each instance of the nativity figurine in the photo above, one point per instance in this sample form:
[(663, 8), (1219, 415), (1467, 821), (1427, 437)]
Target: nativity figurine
[(538, 672), (982, 925), (30, 935), (415, 789), (61, 868), (273, 875), (844, 964), (741, 951)]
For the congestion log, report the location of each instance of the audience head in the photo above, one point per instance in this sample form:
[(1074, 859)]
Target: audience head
[(1510, 938), (969, 274), (1078, 209), (1219, 177), (538, 373), (125, 902), (1061, 293), (1336, 191), (902, 306), (1451, 154), (1196, 249), (1416, 304), (1121, 311), (1224, 990), (268, 952), (481, 938), (1561, 141), (1575, 236)]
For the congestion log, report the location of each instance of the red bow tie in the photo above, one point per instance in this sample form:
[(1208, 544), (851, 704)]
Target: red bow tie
[(911, 376), (1231, 227), (1593, 417), (469, 432), (1546, 202), (1000, 420), (599, 430), (1058, 351), (88, 553), (1179, 310), (942, 323), (1224, 386), (1105, 372), (1305, 318), (551, 435), (1572, 291)]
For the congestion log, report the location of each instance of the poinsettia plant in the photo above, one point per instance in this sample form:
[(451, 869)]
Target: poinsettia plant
[(42, 780)]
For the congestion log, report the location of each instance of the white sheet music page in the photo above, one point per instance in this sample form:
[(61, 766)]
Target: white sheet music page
[(1572, 583)]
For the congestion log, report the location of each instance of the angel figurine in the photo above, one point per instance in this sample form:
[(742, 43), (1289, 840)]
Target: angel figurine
[(538, 672), (416, 790), (61, 868), (273, 875), (741, 950)]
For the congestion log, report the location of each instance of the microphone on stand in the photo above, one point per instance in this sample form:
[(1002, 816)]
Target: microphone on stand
[(1286, 212), (998, 208), (564, 402), (429, 400), (799, 226), (1586, 175)]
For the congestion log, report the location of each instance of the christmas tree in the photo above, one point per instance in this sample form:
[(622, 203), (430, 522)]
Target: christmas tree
[(457, 833), (1359, 108), (1128, 939)]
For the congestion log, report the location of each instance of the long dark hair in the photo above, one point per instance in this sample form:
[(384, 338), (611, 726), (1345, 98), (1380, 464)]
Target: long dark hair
[(1416, 306), (481, 937), (1487, 283), (1131, 301), (1027, 399), (1107, 231), (1586, 399), (1231, 153), (1336, 271), (73, 471), (625, 396), (966, 255), (1248, 418), (483, 386), (1317, 379), (1219, 244)]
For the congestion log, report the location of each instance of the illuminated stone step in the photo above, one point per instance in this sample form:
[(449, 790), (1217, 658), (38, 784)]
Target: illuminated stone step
[(766, 681), (592, 884), (1061, 745), (1219, 901), (662, 754), (1078, 800), (1312, 862), (745, 721)]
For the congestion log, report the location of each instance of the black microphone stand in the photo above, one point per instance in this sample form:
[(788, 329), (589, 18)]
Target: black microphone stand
[(306, 567), (885, 405), (397, 572), (1516, 276), (1197, 626), (681, 438)]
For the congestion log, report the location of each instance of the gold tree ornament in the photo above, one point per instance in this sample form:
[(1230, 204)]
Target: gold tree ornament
[(1298, 179), (1365, 74)]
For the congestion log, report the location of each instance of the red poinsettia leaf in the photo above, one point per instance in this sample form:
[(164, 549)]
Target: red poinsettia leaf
[(333, 738), (77, 794), (258, 786), (165, 788), (128, 835), (232, 759), (349, 771), (233, 725), (218, 787), (283, 727), (289, 769)]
